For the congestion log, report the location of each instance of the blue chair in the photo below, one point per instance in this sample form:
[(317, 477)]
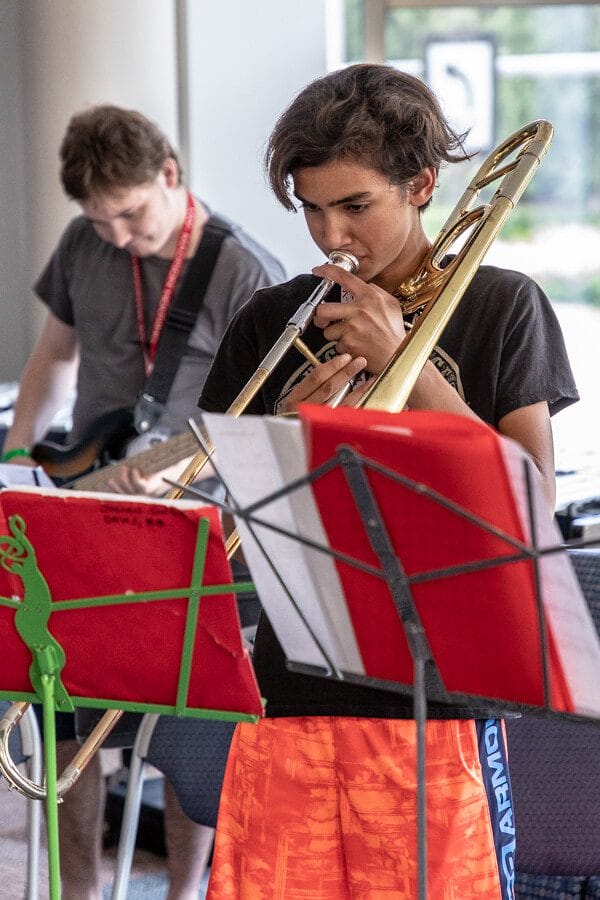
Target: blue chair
[(556, 791), (191, 753), (26, 748)]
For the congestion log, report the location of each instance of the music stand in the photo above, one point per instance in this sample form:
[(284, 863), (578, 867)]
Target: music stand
[(161, 634), (368, 487)]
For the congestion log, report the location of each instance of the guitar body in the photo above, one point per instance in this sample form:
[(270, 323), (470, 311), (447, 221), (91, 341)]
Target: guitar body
[(85, 464), (104, 440)]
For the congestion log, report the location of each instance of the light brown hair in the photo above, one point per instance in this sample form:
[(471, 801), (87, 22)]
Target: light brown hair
[(107, 147)]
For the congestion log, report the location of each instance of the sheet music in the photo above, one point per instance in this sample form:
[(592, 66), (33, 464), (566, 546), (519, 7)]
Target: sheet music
[(257, 456), (47, 488), (11, 474)]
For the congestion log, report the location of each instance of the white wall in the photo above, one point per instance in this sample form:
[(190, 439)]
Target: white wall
[(59, 56), (246, 61), (13, 285)]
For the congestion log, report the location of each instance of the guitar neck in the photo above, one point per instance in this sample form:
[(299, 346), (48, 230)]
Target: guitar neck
[(154, 459)]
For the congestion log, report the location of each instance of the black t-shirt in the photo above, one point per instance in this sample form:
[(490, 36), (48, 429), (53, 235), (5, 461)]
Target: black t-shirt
[(502, 350)]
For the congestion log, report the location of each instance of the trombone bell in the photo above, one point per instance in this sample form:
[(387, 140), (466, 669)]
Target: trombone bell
[(29, 788)]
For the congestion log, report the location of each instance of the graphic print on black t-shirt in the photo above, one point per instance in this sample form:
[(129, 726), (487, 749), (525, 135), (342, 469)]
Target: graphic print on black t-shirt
[(448, 368), (441, 360)]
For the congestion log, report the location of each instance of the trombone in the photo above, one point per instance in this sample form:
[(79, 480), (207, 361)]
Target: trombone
[(30, 788), (435, 288), (438, 290), (290, 337)]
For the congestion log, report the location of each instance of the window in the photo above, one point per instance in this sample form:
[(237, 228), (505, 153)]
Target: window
[(545, 64)]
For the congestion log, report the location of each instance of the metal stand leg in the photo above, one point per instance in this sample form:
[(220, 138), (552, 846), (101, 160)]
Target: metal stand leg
[(415, 634), (420, 703), (51, 785), (31, 747), (131, 811)]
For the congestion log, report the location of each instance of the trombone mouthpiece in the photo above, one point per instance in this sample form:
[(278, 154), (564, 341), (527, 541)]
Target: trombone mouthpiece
[(344, 260)]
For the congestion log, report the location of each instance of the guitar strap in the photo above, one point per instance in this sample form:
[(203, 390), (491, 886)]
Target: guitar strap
[(180, 320)]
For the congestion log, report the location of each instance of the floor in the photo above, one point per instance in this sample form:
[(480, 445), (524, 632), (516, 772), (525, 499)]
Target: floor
[(148, 878)]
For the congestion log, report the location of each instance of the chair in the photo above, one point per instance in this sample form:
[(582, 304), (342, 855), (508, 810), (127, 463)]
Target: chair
[(26, 747), (587, 568), (556, 793), (191, 753)]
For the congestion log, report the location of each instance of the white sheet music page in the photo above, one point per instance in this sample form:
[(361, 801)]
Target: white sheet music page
[(258, 455), (11, 475), (567, 612)]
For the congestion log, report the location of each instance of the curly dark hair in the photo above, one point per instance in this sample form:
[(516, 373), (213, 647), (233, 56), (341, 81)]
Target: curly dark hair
[(106, 147), (373, 114)]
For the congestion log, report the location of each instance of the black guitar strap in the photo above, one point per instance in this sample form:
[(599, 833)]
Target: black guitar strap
[(180, 320)]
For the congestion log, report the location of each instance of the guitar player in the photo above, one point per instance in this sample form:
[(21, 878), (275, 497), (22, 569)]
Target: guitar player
[(138, 293)]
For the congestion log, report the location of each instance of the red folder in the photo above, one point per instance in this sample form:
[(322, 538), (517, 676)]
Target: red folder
[(482, 627), (100, 546)]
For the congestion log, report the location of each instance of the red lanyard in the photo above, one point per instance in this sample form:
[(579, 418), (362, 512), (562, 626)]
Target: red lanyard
[(183, 242)]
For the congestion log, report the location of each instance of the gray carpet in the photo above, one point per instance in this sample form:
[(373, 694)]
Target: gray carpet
[(150, 887), (148, 877)]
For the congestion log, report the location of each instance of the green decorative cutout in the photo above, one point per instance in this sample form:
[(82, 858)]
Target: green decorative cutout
[(17, 556)]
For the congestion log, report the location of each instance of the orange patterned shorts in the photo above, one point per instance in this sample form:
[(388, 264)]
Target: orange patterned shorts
[(324, 808)]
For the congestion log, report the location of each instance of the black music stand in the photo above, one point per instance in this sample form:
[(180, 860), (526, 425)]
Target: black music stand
[(427, 681)]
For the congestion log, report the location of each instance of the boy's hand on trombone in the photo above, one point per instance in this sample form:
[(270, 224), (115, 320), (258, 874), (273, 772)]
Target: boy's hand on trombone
[(324, 382), (371, 326)]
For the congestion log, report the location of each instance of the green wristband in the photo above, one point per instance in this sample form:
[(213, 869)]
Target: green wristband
[(16, 451)]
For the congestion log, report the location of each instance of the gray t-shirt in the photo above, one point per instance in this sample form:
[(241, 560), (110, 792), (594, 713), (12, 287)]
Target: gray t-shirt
[(88, 283)]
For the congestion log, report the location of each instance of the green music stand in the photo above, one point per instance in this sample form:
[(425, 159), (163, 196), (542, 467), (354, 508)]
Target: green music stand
[(182, 637)]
